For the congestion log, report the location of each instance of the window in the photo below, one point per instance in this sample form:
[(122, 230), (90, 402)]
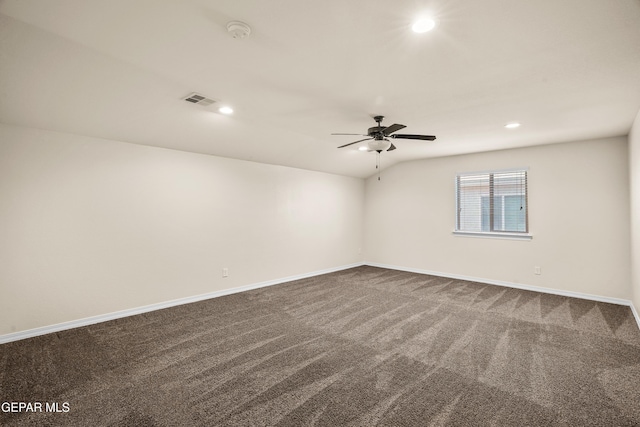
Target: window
[(492, 203)]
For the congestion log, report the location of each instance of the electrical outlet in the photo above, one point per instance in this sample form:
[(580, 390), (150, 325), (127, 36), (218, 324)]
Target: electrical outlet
[(537, 270), (225, 272)]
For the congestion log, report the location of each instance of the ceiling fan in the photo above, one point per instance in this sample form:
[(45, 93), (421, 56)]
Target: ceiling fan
[(379, 136)]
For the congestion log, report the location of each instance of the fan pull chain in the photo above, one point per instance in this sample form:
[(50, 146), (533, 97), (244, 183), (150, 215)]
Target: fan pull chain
[(378, 164)]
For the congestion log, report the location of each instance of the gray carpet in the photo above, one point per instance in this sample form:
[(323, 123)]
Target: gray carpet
[(360, 347)]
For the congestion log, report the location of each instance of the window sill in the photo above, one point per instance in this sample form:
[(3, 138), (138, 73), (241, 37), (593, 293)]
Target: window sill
[(489, 235)]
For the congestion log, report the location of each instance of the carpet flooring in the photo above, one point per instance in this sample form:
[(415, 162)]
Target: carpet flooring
[(360, 347)]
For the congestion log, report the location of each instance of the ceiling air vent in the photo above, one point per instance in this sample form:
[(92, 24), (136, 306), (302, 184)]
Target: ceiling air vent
[(196, 98)]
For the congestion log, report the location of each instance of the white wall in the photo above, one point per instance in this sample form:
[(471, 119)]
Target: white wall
[(634, 174), (578, 215), (90, 227)]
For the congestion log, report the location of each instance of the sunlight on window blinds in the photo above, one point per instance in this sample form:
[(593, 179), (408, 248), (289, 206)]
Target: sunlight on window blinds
[(492, 202)]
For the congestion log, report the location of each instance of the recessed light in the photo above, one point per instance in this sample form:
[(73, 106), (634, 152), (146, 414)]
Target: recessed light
[(423, 25), (363, 148), (226, 110), (512, 125)]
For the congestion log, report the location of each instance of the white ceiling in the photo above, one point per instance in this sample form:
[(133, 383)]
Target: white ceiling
[(118, 69)]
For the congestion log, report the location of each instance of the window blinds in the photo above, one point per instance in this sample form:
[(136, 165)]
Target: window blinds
[(493, 202)]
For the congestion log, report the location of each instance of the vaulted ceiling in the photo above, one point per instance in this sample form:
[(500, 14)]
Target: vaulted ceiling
[(119, 69)]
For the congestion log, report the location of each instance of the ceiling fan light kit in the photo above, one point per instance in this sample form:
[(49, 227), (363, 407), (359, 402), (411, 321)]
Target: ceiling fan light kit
[(379, 144)]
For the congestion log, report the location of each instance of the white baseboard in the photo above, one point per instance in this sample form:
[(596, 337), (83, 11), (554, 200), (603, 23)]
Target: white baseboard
[(635, 314), (15, 336), (571, 294)]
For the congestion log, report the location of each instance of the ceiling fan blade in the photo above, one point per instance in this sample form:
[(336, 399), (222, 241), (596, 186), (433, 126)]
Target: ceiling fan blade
[(354, 142), (395, 127), (358, 134), (393, 147), (409, 136)]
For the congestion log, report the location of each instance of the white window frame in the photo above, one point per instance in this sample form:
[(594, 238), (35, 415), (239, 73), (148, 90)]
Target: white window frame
[(509, 235)]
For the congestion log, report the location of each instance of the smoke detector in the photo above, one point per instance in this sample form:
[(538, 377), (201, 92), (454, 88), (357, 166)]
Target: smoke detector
[(238, 30)]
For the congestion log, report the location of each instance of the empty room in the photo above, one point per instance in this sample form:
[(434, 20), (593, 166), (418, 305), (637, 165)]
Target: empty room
[(336, 213)]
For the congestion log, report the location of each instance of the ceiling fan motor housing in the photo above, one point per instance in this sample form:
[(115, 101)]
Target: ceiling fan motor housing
[(376, 131)]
